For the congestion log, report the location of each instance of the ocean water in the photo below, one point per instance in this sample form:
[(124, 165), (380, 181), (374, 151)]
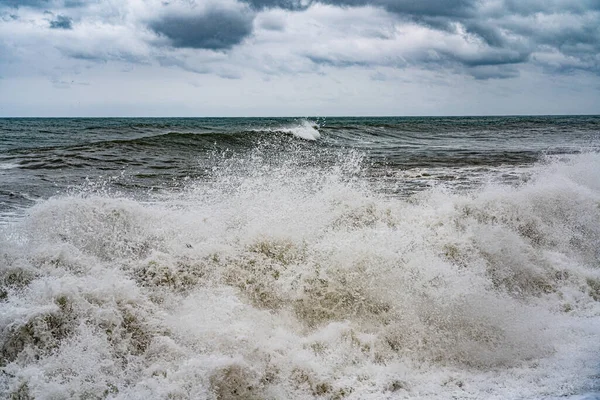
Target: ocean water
[(331, 258)]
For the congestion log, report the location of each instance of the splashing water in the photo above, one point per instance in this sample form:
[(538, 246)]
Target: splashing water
[(304, 129), (278, 281)]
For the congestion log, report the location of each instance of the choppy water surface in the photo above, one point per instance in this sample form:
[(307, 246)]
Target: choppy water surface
[(337, 258)]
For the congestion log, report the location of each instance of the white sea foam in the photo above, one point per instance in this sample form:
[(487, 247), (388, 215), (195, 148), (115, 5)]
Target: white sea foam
[(286, 283), (6, 166), (303, 129)]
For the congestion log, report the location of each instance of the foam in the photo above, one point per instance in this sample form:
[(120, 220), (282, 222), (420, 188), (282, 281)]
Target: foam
[(7, 166), (302, 129), (287, 282)]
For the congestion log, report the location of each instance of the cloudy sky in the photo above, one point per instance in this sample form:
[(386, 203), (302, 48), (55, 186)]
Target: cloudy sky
[(298, 57)]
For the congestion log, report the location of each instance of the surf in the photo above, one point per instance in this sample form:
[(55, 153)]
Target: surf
[(287, 279)]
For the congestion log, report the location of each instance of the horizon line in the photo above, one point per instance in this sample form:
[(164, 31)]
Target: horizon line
[(307, 116)]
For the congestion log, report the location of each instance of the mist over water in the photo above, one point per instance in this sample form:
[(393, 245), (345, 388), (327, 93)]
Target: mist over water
[(282, 263)]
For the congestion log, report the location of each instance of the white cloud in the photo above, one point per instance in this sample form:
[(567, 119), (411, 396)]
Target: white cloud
[(256, 48)]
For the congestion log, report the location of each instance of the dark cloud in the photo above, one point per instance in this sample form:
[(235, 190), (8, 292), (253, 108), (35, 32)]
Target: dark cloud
[(491, 35), (216, 29), (25, 3), (61, 22), (45, 3), (574, 30), (86, 56), (569, 39), (77, 3), (484, 37), (531, 7), (485, 72), (8, 17), (284, 4), (101, 56), (497, 64), (338, 61), (576, 37), (422, 8), (408, 7), (502, 57)]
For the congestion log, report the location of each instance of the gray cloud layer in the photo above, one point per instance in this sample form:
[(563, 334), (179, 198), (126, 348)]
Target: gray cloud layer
[(515, 29), (483, 38)]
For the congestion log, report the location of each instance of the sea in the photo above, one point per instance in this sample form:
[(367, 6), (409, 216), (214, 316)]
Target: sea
[(300, 258)]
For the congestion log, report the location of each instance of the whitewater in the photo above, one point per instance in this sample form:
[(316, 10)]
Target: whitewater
[(283, 277)]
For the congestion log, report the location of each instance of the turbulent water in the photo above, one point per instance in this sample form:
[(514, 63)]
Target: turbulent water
[(337, 258)]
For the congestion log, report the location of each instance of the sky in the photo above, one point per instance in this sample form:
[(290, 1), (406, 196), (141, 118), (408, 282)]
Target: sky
[(299, 57)]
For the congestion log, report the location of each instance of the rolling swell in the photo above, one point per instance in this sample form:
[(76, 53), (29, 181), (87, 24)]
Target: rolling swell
[(142, 150), (403, 143), (142, 162), (49, 156), (169, 139)]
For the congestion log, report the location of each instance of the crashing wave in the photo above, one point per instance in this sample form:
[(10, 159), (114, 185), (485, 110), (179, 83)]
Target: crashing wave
[(301, 283)]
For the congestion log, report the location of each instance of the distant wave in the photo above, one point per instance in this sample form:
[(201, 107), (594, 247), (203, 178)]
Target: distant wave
[(241, 138), (305, 129), (6, 166)]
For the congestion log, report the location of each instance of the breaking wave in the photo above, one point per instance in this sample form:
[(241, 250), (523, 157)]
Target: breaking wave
[(273, 281), (305, 129), (5, 166)]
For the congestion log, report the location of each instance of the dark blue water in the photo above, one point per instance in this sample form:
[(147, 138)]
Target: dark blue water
[(42, 157)]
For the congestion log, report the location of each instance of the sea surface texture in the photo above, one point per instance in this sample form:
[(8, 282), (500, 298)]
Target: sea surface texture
[(330, 258)]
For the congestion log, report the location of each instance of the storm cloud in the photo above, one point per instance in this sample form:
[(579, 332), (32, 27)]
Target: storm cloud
[(26, 3), (61, 22), (430, 8), (283, 4), (467, 33), (215, 29), (46, 4), (470, 40), (570, 28)]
